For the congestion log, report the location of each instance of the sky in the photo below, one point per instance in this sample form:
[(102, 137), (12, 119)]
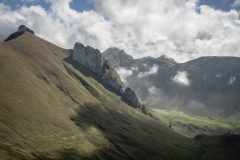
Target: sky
[(180, 29)]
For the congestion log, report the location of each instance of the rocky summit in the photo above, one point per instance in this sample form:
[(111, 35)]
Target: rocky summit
[(21, 30), (24, 28)]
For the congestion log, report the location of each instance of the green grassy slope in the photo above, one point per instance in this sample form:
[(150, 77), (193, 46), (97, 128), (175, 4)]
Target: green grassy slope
[(190, 125), (53, 108)]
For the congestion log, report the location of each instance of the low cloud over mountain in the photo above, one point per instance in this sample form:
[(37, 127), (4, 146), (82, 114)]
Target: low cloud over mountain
[(181, 78)]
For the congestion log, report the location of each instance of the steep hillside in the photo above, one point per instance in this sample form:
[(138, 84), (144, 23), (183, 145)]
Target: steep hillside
[(52, 107)]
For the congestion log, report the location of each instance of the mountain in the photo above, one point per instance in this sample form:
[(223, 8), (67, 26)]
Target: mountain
[(52, 107), (210, 81), (207, 86), (118, 58), (21, 29)]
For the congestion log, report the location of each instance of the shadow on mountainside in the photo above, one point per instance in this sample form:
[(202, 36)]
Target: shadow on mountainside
[(89, 73), (128, 137), (223, 147)]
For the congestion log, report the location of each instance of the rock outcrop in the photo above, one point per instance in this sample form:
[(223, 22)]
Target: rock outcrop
[(89, 57), (130, 95), (93, 59), (24, 28), (111, 77), (21, 30)]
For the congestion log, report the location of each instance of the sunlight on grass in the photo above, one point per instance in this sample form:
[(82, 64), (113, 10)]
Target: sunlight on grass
[(190, 125)]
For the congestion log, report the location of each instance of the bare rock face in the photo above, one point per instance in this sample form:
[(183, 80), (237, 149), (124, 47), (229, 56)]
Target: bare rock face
[(89, 57), (93, 59), (24, 28), (130, 95), (111, 77)]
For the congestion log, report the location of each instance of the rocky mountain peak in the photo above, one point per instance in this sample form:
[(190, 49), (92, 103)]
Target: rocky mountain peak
[(21, 30), (89, 57), (117, 58), (24, 28)]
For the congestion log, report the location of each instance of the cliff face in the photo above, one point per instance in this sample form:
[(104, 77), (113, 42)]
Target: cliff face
[(93, 59), (111, 77), (89, 57), (131, 96)]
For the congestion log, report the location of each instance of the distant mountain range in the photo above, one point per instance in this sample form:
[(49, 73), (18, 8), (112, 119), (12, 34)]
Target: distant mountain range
[(207, 86)]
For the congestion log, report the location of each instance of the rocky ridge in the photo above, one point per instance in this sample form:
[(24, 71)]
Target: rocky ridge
[(93, 59)]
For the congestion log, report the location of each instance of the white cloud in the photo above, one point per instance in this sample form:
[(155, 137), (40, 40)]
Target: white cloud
[(172, 27), (231, 80), (236, 3), (60, 25), (219, 75), (153, 70), (181, 78), (134, 68), (176, 28), (154, 92), (124, 73)]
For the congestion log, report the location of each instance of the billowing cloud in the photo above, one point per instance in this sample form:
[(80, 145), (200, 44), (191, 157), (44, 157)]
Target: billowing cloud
[(179, 29), (60, 24), (152, 70), (181, 78), (124, 73)]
